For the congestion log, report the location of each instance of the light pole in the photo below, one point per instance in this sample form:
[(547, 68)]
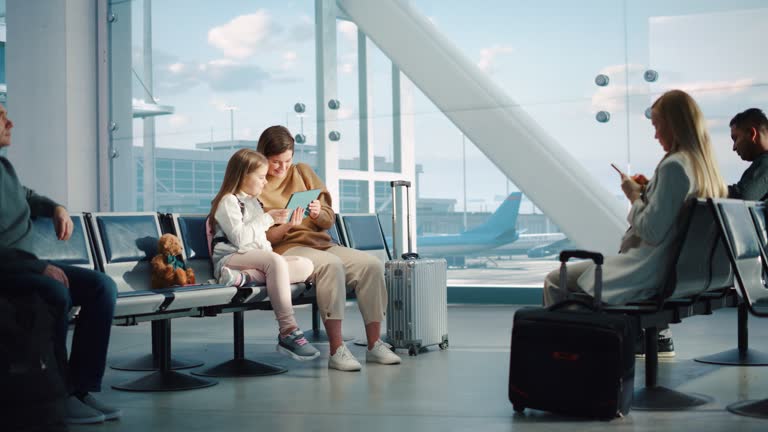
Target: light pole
[(464, 175), (231, 110)]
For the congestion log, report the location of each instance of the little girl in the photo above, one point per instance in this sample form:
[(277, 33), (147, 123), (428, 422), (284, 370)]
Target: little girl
[(242, 254)]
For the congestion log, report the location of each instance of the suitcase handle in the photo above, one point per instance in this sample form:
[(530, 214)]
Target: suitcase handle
[(597, 257)]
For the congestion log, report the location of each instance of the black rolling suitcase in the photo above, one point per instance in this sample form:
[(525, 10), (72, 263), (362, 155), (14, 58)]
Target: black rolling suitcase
[(571, 358)]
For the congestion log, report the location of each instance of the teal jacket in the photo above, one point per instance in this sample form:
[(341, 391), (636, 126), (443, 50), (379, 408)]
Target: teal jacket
[(18, 205), (753, 185)]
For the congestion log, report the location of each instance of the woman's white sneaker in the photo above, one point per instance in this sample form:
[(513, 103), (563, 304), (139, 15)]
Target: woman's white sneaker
[(343, 360), (381, 354)]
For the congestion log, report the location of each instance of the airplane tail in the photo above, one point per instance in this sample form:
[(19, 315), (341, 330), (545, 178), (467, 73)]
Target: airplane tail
[(503, 222)]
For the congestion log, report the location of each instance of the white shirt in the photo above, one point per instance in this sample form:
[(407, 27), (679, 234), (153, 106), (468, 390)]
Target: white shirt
[(245, 229)]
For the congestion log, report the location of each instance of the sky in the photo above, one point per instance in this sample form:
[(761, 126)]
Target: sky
[(260, 58)]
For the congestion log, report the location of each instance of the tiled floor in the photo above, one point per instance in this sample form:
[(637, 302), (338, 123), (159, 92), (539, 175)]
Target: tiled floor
[(463, 388)]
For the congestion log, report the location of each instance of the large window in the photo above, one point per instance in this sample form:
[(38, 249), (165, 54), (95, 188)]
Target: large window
[(207, 82)]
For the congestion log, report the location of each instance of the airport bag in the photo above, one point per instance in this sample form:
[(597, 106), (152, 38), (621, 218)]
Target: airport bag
[(32, 389), (417, 311), (572, 358)]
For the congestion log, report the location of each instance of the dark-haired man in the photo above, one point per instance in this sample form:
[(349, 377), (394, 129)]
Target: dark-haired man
[(749, 132)]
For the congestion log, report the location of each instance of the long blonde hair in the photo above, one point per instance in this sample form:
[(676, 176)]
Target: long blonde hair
[(242, 163), (685, 127)]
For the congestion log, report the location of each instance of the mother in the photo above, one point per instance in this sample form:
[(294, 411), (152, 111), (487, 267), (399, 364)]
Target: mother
[(336, 267)]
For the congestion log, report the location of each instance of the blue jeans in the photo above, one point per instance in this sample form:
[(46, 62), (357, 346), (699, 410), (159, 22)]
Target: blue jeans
[(95, 293)]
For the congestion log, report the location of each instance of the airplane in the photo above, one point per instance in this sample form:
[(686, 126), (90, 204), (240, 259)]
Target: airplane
[(498, 230)]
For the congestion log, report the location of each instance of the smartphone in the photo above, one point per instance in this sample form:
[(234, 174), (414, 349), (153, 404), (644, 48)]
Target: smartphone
[(621, 173)]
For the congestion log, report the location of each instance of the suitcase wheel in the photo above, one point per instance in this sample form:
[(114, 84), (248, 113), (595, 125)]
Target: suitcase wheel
[(413, 351), (443, 345)]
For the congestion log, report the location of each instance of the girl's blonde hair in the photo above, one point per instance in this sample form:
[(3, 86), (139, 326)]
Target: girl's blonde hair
[(242, 163), (685, 127)]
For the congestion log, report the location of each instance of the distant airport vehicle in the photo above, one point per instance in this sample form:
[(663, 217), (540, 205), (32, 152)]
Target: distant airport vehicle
[(550, 249)]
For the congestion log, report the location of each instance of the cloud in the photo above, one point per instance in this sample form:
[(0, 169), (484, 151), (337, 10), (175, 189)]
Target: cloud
[(241, 37), (225, 75), (178, 121), (348, 29), (344, 113), (289, 60), (303, 31), (488, 56), (714, 88)]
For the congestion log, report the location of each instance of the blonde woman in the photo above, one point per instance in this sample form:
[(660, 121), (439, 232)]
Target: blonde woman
[(241, 252), (688, 169)]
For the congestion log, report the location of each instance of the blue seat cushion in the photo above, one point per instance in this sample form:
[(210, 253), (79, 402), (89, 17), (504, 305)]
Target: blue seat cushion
[(363, 232), (128, 238), (193, 236), (47, 246)]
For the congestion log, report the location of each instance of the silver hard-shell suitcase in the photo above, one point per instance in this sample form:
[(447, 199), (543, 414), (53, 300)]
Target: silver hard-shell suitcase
[(417, 311)]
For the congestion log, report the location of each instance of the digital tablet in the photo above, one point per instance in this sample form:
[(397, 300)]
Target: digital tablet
[(302, 199)]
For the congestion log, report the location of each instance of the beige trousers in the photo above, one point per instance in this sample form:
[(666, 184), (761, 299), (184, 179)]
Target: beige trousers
[(553, 292), (339, 268), (278, 273)]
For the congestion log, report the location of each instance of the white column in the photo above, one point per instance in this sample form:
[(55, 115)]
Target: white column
[(122, 164), (51, 60), (327, 89)]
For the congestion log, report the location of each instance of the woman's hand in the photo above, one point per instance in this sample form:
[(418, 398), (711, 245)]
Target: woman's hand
[(640, 179), (280, 216), (314, 209), (632, 189)]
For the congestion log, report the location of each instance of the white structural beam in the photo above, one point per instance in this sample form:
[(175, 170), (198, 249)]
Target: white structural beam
[(499, 127)]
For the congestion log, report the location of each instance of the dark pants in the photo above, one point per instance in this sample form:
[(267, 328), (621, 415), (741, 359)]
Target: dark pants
[(95, 293)]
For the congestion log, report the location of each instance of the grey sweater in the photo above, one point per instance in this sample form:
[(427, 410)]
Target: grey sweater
[(18, 205), (753, 185)]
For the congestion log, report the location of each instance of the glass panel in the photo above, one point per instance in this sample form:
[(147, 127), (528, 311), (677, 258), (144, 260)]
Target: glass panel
[(353, 196), (383, 202), (219, 77), (380, 108), (551, 77), (677, 42), (348, 123)]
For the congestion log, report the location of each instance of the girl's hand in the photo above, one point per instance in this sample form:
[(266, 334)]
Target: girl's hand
[(296, 217), (314, 209), (279, 215)]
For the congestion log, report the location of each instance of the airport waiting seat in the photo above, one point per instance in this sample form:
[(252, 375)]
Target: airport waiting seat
[(76, 251), (696, 282), (741, 223), (125, 243), (364, 233)]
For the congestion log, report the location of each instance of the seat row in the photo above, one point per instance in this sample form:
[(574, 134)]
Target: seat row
[(121, 245), (722, 241)]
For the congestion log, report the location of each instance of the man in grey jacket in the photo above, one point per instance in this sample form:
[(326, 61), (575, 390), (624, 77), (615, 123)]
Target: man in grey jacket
[(749, 132), (61, 286)]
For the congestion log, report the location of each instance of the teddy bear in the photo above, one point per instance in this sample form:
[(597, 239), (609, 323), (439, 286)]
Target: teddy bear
[(168, 267)]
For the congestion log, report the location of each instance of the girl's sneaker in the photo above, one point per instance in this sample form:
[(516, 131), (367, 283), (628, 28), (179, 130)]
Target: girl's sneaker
[(230, 277), (297, 346)]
